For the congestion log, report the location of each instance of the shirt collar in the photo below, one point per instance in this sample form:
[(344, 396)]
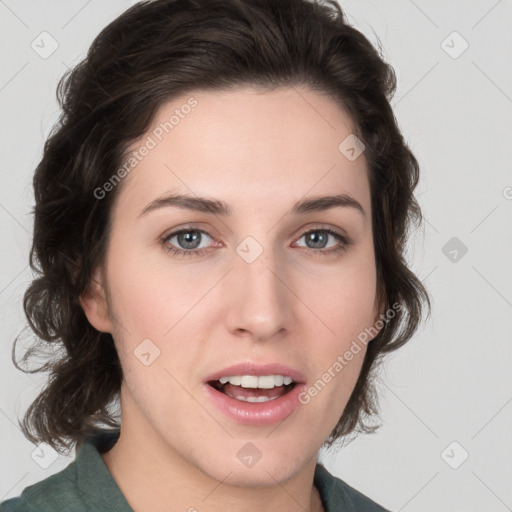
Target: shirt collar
[(94, 479)]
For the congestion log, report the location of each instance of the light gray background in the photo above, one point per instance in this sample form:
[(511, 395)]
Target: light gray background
[(452, 382)]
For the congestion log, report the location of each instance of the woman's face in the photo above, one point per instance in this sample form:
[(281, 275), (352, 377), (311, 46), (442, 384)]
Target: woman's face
[(263, 285)]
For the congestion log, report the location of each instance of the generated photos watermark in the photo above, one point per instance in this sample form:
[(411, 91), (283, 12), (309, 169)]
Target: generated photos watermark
[(151, 142), (364, 337)]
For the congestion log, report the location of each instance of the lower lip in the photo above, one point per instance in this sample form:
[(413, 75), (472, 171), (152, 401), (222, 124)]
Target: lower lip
[(256, 413)]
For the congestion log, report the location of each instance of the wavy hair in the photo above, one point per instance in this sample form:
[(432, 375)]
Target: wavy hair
[(155, 51)]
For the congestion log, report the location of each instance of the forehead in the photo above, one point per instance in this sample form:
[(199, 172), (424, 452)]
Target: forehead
[(243, 145)]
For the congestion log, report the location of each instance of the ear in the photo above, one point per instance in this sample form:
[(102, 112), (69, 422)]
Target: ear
[(94, 303)]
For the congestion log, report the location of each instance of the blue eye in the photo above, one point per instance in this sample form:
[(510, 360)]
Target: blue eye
[(325, 233), (189, 238), (184, 238)]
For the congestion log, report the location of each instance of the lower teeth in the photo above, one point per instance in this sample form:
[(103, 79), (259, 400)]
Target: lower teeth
[(255, 398)]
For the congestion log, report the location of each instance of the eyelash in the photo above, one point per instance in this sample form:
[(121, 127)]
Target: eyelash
[(346, 242)]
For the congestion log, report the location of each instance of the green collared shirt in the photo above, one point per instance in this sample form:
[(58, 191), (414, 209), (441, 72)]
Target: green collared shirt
[(86, 485)]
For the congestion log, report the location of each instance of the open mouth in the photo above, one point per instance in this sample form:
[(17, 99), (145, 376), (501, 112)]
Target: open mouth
[(246, 394)]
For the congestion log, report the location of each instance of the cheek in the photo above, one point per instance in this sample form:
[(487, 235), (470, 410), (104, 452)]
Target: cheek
[(151, 303), (145, 301), (344, 298), (147, 308), (344, 302)]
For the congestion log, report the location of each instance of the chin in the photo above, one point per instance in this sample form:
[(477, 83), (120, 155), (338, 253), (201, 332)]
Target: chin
[(265, 472)]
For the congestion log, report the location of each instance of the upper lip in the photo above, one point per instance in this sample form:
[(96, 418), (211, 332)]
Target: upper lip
[(250, 368)]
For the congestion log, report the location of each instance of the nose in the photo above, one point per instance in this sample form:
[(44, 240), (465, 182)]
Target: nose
[(261, 301)]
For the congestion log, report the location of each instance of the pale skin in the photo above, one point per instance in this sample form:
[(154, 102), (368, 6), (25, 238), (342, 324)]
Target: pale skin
[(260, 152)]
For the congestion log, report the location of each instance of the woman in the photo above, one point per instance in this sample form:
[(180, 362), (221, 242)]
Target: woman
[(220, 223)]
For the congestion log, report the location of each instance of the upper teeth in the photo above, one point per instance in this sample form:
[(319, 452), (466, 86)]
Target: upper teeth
[(253, 381)]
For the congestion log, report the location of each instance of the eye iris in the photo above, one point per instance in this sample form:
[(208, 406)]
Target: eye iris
[(313, 236), (184, 239)]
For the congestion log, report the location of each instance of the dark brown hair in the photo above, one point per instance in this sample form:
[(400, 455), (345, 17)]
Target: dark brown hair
[(153, 52)]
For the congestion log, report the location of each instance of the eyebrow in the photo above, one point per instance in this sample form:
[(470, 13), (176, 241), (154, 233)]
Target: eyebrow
[(218, 207)]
